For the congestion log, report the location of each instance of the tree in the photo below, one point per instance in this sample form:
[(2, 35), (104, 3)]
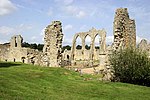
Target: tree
[(96, 47), (25, 44), (66, 47), (131, 66), (33, 46), (87, 47), (79, 47), (40, 47)]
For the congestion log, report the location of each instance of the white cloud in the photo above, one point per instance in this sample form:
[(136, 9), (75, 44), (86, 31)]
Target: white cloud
[(64, 2), (6, 7), (68, 8), (67, 41), (42, 32), (71, 9), (135, 12), (81, 14), (68, 27), (93, 12), (23, 27), (83, 28), (67, 2), (50, 12), (109, 39), (3, 41), (33, 37), (6, 30), (75, 11)]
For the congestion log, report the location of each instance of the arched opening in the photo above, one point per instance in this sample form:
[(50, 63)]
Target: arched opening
[(15, 42), (78, 48), (14, 60), (32, 60), (23, 59), (78, 43), (87, 51), (67, 57), (87, 42), (97, 41)]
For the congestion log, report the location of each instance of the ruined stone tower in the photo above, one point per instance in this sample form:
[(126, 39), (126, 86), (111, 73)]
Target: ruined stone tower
[(53, 44), (124, 30), (16, 41), (15, 52)]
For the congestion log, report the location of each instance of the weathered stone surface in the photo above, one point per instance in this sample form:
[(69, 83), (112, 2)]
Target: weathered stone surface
[(16, 53), (53, 45), (4, 50), (124, 36), (51, 55), (143, 45), (16, 41), (124, 30), (92, 54)]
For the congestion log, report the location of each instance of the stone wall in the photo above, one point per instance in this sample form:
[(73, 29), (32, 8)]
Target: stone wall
[(144, 46), (14, 52), (51, 55), (124, 30), (4, 50), (53, 44), (91, 54)]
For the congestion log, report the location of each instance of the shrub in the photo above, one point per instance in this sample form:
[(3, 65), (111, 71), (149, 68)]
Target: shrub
[(131, 66)]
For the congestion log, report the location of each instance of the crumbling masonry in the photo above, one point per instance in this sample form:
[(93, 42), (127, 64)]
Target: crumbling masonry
[(124, 36), (85, 55), (124, 30), (53, 45)]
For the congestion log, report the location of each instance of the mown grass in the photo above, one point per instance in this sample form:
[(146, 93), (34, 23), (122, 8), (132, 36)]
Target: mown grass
[(27, 82)]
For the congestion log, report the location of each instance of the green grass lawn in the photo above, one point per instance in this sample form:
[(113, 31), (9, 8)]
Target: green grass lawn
[(27, 82)]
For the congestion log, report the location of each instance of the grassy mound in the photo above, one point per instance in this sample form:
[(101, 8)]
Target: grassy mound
[(28, 82)]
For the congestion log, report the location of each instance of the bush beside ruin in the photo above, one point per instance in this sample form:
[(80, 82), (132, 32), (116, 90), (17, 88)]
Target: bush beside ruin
[(131, 66)]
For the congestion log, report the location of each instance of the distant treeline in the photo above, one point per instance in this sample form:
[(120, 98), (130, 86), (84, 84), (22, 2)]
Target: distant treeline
[(33, 46), (40, 46)]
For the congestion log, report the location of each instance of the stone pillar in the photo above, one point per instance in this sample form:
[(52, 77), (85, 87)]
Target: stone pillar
[(73, 48), (53, 44), (102, 53), (124, 30), (132, 33), (91, 51), (83, 48)]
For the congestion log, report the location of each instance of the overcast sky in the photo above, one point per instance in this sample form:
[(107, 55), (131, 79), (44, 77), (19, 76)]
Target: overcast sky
[(30, 17)]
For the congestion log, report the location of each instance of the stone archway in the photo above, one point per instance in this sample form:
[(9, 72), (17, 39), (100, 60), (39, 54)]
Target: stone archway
[(97, 46), (92, 33), (87, 46), (23, 59)]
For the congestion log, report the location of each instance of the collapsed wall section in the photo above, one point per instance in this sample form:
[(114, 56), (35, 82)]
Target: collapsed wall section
[(124, 30), (53, 45)]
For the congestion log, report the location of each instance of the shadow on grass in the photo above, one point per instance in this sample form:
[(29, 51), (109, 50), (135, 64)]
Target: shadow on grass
[(8, 64)]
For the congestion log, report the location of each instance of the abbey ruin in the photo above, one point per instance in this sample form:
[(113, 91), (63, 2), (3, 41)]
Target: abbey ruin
[(92, 54), (53, 44), (124, 31)]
